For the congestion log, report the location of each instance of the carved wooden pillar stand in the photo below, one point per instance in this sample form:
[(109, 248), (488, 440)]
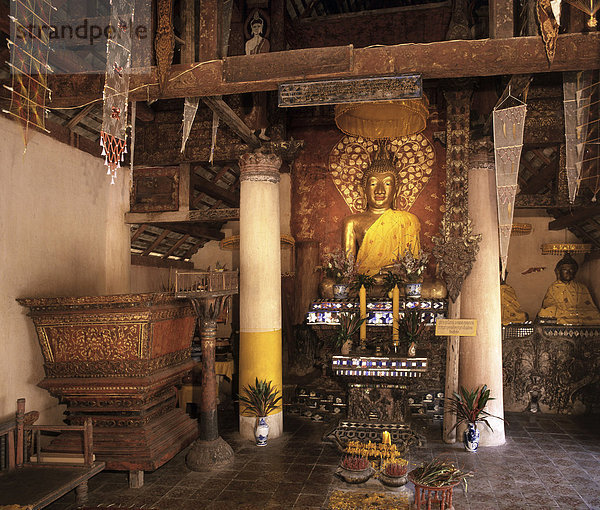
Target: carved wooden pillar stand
[(209, 450)]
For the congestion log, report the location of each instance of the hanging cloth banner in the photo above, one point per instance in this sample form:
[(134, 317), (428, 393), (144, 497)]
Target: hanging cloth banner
[(29, 63), (190, 107), (577, 92), (113, 137), (508, 143)]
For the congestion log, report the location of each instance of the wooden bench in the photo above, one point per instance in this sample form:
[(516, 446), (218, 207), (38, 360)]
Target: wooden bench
[(30, 478)]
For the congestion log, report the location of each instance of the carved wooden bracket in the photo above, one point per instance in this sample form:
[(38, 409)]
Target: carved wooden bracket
[(456, 247), (164, 42)]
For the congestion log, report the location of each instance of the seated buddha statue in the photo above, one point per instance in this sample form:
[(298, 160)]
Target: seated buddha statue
[(569, 301), (511, 308), (378, 236)]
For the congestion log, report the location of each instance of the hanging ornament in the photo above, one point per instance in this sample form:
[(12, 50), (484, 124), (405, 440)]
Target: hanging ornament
[(113, 137), (29, 63), (190, 107), (508, 143)]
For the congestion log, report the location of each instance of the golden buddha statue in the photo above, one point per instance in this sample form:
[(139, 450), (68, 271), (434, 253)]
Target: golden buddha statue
[(511, 308), (377, 237), (568, 301)]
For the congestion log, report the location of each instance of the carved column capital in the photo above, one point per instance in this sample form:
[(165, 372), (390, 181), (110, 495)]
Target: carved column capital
[(258, 166), (481, 155)]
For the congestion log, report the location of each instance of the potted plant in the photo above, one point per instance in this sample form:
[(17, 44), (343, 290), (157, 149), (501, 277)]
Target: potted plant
[(360, 279), (434, 482), (394, 473), (260, 400), (350, 323), (355, 469), (390, 280), (411, 328), (469, 407)]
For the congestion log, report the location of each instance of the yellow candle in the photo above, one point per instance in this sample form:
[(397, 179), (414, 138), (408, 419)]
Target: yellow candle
[(387, 438), (395, 314), (363, 313)]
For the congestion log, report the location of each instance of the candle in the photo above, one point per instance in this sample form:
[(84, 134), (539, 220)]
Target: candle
[(363, 314), (386, 439), (395, 314)]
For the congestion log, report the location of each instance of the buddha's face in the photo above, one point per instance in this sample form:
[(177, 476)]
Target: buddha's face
[(566, 273), (381, 191), (256, 28)]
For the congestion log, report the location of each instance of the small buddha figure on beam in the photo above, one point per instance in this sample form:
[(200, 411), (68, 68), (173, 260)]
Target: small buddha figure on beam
[(378, 236), (569, 301)]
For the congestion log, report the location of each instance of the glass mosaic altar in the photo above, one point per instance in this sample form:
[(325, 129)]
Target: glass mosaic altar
[(326, 311)]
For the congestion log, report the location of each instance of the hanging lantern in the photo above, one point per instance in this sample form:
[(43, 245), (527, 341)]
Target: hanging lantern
[(383, 119)]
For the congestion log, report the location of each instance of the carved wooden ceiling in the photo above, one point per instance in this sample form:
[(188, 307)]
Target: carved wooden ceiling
[(214, 187)]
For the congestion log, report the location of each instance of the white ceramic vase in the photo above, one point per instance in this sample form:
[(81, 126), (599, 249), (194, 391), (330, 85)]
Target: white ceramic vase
[(261, 433)]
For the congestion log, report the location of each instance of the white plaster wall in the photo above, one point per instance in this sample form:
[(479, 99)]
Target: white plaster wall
[(151, 279), (525, 252), (61, 234), (589, 274)]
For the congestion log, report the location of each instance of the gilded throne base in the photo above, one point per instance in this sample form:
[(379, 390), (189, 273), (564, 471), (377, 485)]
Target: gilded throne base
[(118, 360)]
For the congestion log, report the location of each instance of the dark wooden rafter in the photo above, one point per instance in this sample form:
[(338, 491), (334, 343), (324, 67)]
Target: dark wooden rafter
[(140, 230), (138, 260), (156, 243), (252, 73), (237, 125), (215, 191), (80, 115), (545, 175), (199, 231), (584, 235), (574, 218), (174, 248)]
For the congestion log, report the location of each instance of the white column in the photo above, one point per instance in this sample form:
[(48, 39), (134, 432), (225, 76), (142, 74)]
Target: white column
[(260, 281), (480, 359)]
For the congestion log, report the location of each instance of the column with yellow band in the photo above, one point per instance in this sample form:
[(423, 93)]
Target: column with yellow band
[(260, 281)]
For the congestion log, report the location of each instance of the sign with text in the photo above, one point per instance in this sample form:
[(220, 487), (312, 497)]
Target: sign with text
[(456, 327)]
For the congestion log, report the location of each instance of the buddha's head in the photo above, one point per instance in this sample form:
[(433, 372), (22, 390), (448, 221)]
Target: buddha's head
[(380, 182), (256, 25), (566, 268)]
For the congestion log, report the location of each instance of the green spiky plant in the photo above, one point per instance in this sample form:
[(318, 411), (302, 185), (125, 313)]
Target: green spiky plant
[(260, 399), (390, 280), (361, 279), (410, 325), (469, 406), (350, 323)]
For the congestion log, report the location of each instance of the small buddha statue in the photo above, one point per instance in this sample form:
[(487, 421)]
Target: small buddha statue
[(569, 301), (378, 236), (511, 308)]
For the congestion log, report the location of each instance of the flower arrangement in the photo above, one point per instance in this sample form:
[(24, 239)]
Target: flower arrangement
[(411, 268), (339, 267), (438, 473), (355, 463), (260, 399)]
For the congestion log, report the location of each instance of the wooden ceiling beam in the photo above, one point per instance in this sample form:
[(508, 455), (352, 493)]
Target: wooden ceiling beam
[(156, 242), (139, 260), (176, 245), (543, 177), (572, 219), (80, 115), (198, 231), (214, 190), (138, 232), (237, 125), (264, 71), (212, 215)]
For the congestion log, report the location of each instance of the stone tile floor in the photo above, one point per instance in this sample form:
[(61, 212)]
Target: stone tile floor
[(547, 462)]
